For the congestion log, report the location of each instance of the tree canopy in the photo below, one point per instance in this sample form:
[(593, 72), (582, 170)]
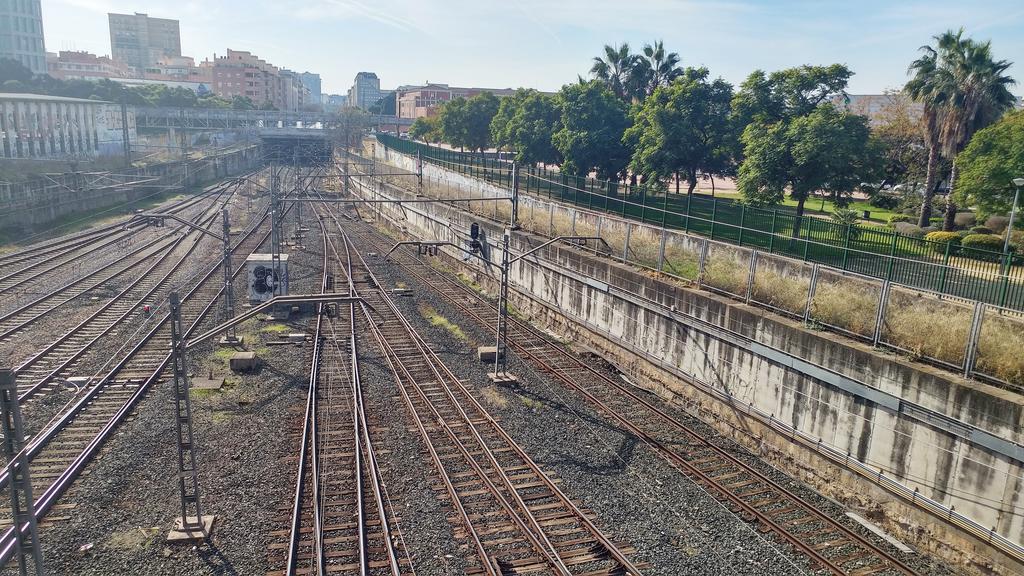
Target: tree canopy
[(989, 164), (786, 94), (525, 123), (685, 129), (825, 151), (426, 128), (594, 120), (466, 123)]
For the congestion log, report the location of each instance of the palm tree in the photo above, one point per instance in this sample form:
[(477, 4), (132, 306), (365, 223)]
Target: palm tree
[(923, 88), (963, 89), (615, 69), (980, 96), (660, 67)]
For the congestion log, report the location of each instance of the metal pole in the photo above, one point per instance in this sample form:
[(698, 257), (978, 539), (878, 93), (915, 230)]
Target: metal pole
[(126, 141), (229, 292), (515, 196), (1009, 226), (500, 336), (188, 479), (22, 502)]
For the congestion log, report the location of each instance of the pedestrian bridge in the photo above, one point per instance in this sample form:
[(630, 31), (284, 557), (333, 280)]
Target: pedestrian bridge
[(263, 121)]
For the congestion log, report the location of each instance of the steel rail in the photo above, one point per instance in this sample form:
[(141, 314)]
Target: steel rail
[(360, 421), (48, 498), (534, 533), (671, 455), (63, 365)]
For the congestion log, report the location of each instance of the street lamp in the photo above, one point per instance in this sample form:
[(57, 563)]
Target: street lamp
[(1018, 182)]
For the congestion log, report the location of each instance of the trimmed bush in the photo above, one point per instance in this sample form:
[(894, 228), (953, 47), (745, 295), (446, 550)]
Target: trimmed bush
[(943, 238), (983, 246), (997, 223), (981, 230), (965, 219), (896, 218), (885, 200), (908, 229)]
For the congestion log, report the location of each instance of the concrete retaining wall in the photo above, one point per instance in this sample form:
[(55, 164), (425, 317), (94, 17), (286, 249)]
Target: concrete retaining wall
[(846, 418), (30, 206)]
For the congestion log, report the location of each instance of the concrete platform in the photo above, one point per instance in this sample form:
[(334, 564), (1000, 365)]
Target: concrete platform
[(505, 378), (180, 534)]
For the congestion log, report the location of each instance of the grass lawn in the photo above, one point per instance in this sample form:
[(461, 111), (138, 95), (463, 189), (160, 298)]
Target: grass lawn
[(815, 206)]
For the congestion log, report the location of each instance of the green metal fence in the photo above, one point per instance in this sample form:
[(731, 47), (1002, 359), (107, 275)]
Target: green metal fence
[(946, 268)]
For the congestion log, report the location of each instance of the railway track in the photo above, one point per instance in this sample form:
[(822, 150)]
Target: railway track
[(62, 451), (127, 266), (47, 367), (752, 494), (18, 271), (339, 521), (513, 515)]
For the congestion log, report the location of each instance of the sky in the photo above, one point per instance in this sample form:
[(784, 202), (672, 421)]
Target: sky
[(544, 44)]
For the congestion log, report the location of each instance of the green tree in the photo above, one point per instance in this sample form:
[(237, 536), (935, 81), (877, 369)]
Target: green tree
[(452, 118), (11, 69), (790, 93), (594, 120), (684, 129), (480, 110), (924, 87), (525, 123), (425, 128), (901, 137), (824, 151), (242, 103), (989, 163)]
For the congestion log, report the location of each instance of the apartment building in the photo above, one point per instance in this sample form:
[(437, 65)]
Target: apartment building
[(140, 41), (21, 33)]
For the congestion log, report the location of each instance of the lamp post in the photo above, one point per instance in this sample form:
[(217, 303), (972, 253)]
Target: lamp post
[(1018, 183)]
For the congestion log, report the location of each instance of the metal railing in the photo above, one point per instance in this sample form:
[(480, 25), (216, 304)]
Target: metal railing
[(943, 267)]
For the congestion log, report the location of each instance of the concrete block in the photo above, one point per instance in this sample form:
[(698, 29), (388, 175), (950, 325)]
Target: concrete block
[(298, 337), (487, 353), (503, 378), (236, 341), (179, 533), (243, 361)]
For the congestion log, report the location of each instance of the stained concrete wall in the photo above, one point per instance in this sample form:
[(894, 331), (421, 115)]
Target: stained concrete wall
[(835, 402), (30, 206)]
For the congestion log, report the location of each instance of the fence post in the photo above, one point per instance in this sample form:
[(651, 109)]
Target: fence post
[(883, 302), (702, 262), (750, 275), (714, 214), (743, 222), (686, 225), (625, 245), (664, 210), (771, 239), (846, 246), (661, 250), (643, 204), (600, 223), (551, 219), (892, 256), (971, 353), (807, 233), (945, 268), (810, 293), (573, 228), (1005, 288)]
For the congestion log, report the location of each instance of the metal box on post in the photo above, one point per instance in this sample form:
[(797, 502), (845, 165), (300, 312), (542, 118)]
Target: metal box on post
[(263, 283)]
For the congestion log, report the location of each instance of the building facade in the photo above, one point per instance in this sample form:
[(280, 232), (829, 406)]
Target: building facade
[(421, 101), (365, 90), (21, 33), (37, 126), (140, 41), (241, 73), (70, 65), (312, 83)]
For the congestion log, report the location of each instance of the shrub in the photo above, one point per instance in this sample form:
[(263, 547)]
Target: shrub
[(941, 239), (981, 230), (1017, 241), (997, 223), (782, 288), (908, 229), (895, 218), (999, 346), (885, 200), (847, 217), (723, 272), (965, 219), (983, 246)]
